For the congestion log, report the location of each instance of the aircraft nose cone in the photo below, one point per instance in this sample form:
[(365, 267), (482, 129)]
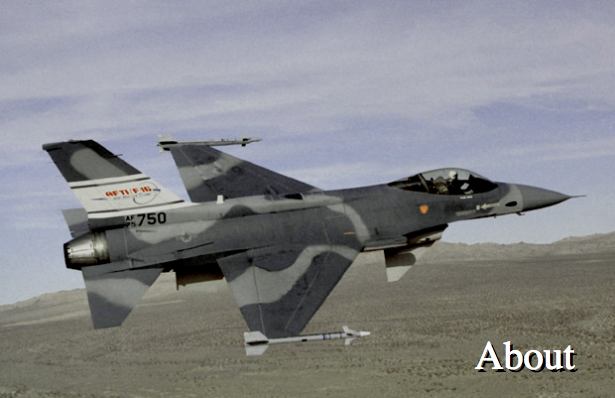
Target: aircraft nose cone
[(536, 198)]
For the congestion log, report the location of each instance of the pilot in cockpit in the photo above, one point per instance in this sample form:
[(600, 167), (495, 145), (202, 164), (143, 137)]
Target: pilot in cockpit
[(454, 186)]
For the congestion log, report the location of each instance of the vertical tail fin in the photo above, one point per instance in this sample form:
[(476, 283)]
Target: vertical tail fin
[(105, 184)]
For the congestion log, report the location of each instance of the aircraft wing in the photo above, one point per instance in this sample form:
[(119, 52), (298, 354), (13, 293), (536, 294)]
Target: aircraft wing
[(207, 173), (279, 288)]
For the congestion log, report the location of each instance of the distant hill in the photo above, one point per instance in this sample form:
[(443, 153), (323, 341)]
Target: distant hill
[(597, 243), (73, 304), (428, 331)]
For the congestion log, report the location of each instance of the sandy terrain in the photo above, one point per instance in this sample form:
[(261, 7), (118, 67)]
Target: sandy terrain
[(428, 333)]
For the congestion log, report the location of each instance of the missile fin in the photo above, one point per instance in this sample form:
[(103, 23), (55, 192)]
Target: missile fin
[(256, 343), (255, 350)]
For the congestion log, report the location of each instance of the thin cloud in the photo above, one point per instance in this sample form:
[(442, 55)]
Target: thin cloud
[(345, 94), (437, 68), (581, 149)]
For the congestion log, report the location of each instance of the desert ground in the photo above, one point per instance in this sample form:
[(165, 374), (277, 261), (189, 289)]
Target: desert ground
[(428, 333)]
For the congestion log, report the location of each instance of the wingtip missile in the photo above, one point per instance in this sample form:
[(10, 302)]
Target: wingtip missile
[(256, 343), (354, 333), (167, 141)]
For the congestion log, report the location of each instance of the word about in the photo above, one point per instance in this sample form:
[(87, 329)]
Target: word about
[(553, 360)]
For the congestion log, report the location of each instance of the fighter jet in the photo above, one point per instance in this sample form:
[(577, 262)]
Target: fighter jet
[(281, 244)]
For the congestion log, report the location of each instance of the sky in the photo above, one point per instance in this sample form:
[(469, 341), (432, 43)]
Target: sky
[(344, 94)]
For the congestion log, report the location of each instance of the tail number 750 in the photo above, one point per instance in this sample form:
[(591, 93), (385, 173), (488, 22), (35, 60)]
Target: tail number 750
[(137, 220)]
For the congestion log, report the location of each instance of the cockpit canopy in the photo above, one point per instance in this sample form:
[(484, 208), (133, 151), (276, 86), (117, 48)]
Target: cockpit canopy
[(446, 182)]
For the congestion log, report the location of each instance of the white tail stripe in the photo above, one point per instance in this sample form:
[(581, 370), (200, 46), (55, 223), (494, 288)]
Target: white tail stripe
[(106, 181), (108, 196), (134, 210), (112, 183), (130, 209)]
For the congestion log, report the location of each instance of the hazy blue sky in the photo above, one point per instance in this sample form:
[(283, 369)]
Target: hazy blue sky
[(344, 93)]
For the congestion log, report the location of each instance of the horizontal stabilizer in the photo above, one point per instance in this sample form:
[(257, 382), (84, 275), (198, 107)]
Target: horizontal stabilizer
[(114, 290)]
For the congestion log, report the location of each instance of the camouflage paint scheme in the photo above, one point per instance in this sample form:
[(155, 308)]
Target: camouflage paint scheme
[(281, 244)]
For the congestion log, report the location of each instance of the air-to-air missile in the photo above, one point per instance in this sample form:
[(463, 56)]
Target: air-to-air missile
[(256, 343), (167, 141)]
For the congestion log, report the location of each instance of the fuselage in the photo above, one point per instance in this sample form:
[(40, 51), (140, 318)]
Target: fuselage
[(369, 218), (366, 218)]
